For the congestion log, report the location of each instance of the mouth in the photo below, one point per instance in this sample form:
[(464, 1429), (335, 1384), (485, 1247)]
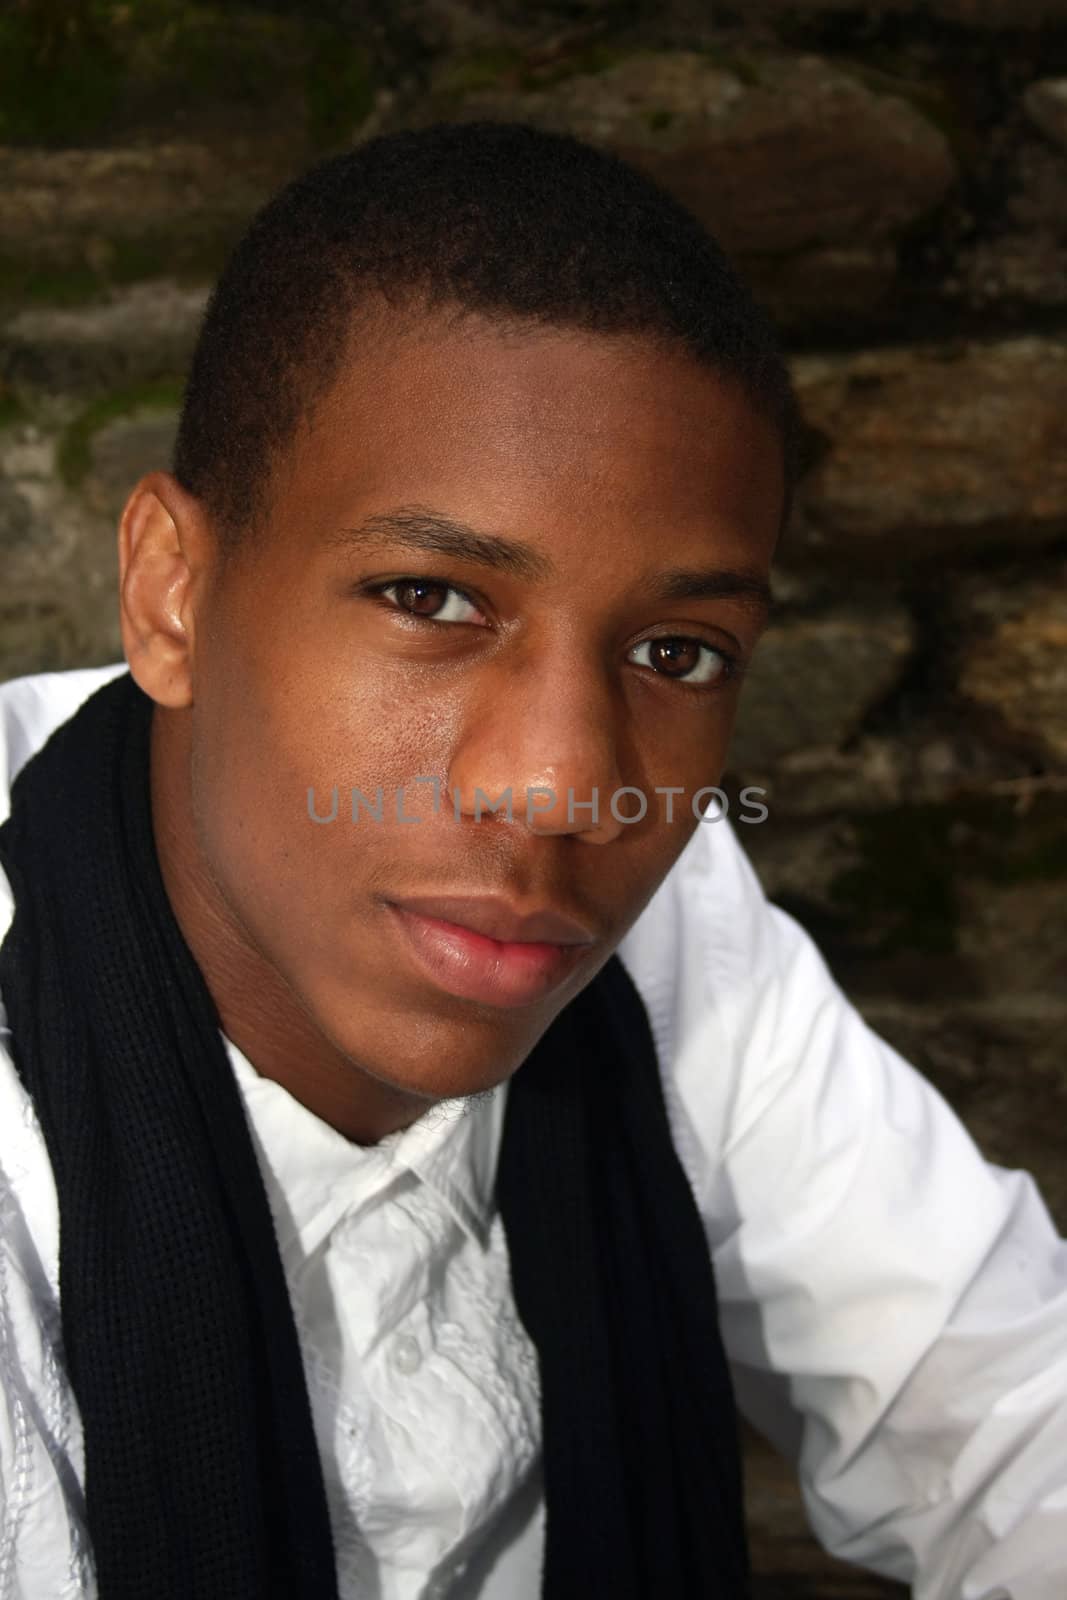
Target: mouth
[(480, 949)]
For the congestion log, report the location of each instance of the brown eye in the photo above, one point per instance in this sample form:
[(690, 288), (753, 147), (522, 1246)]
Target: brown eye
[(431, 600), (688, 660), (421, 599), (675, 657)]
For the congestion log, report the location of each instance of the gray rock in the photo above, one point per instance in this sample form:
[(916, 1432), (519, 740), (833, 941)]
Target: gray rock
[(58, 564), (1013, 660), (986, 15), (812, 680), (935, 447), (135, 335), (45, 192), (41, 525), (28, 453), (843, 287), (998, 13), (38, 633), (124, 451), (1022, 260), (1046, 105), (798, 859), (52, 626), (926, 764), (789, 153), (16, 518), (1015, 935), (820, 778), (83, 207)]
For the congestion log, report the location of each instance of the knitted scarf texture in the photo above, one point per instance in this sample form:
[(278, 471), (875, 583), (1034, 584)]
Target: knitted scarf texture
[(202, 1475)]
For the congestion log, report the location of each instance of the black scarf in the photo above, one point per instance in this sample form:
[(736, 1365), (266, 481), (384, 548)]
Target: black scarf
[(203, 1479)]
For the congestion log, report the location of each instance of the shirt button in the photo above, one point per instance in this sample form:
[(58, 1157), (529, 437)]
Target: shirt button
[(407, 1357)]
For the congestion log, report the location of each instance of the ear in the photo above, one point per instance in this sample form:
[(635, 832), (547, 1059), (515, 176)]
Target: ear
[(165, 552)]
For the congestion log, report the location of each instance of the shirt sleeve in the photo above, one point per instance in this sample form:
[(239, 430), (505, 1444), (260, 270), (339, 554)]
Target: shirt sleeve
[(894, 1306), (43, 1545)]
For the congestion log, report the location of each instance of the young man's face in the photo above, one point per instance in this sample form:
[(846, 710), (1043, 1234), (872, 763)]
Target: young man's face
[(594, 470)]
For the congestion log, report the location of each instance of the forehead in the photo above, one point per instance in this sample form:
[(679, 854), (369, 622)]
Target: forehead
[(507, 421)]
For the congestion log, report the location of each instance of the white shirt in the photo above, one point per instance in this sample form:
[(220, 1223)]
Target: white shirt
[(894, 1307)]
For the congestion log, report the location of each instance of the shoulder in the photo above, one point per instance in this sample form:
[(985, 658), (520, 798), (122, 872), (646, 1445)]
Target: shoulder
[(40, 1433), (42, 1531), (41, 1444), (724, 976), (709, 940), (32, 707)]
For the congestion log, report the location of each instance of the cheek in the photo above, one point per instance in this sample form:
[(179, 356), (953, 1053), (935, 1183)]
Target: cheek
[(684, 751), (256, 756), (251, 822)]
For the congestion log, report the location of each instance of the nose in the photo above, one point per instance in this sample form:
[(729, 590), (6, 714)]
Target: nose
[(542, 748)]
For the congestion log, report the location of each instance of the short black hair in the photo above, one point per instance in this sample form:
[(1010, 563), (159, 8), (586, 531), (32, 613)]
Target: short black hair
[(502, 218)]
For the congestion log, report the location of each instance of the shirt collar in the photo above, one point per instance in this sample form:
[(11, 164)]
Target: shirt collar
[(318, 1177)]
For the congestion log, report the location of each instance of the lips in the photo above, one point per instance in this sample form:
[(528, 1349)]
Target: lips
[(495, 919), (484, 950)]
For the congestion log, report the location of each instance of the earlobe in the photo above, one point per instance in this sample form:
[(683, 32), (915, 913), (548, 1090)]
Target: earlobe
[(161, 544)]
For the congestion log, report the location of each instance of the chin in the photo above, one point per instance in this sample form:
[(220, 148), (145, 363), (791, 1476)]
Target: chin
[(434, 1059)]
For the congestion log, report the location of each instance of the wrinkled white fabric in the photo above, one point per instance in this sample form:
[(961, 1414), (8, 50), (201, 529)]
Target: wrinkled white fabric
[(894, 1307)]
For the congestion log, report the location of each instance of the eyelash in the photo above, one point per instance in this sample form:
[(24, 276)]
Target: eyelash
[(380, 590), (732, 667)]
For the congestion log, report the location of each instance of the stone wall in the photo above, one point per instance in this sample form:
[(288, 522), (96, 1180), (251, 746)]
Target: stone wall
[(893, 179)]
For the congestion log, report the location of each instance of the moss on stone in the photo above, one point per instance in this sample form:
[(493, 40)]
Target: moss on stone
[(1036, 860), (74, 451), (12, 410), (738, 63), (592, 58), (59, 75), (23, 283), (212, 52), (491, 67), (1003, 843), (91, 70), (506, 67), (902, 890), (339, 86), (184, 258), (901, 894)]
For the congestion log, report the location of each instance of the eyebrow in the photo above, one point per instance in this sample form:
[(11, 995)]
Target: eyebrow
[(713, 583), (420, 528)]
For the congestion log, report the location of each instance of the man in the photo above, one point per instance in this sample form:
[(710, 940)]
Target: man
[(384, 891)]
